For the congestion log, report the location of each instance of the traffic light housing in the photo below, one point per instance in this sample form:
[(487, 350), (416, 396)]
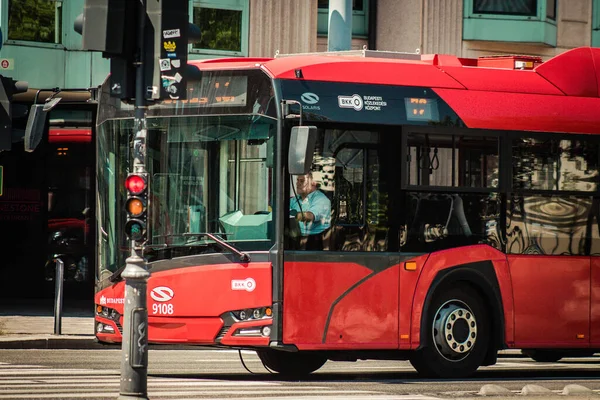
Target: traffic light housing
[(167, 42), (8, 88), (136, 207), (112, 27)]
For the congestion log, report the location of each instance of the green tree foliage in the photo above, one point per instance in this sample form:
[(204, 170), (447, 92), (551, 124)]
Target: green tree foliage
[(32, 20), (221, 29)]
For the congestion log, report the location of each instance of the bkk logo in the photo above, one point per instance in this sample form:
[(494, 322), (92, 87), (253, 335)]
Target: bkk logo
[(162, 293), (354, 101), (247, 284)]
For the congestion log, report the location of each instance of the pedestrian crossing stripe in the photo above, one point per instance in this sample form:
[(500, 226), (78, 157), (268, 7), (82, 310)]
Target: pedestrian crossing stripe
[(43, 382)]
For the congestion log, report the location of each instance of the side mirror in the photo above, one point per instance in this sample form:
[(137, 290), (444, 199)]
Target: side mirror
[(302, 147), (36, 122)]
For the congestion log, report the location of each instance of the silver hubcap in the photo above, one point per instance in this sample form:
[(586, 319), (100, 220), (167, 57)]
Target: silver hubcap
[(454, 330)]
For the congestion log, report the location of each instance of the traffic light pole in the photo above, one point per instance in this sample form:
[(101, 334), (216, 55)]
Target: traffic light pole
[(134, 351)]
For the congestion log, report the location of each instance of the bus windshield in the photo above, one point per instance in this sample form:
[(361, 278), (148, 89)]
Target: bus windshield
[(209, 160), (210, 175)]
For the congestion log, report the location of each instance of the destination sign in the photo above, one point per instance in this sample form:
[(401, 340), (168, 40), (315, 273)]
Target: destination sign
[(216, 91)]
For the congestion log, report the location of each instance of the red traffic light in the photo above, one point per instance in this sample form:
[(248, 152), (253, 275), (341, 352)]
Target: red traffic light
[(135, 184)]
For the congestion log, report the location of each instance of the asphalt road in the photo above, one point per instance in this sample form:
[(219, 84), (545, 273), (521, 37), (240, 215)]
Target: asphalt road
[(219, 374)]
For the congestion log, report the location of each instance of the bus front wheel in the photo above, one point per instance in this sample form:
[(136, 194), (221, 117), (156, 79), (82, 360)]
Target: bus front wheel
[(291, 364), (457, 335)]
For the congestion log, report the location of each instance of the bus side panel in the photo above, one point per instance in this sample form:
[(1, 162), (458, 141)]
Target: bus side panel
[(309, 292), (367, 317), (595, 300), (408, 285), (445, 259), (552, 300), (508, 304), (208, 290), (491, 110)]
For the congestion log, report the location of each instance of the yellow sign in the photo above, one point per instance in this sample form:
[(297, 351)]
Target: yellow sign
[(170, 46)]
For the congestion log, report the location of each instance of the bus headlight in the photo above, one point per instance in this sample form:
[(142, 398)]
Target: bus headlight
[(104, 328), (252, 313), (109, 313)]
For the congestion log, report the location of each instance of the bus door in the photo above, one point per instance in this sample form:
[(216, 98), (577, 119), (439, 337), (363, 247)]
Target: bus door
[(548, 216), (340, 284), (594, 226), (551, 300), (595, 303)]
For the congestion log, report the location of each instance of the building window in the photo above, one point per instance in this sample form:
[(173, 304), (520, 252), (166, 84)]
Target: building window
[(224, 26), (505, 7), (35, 20), (357, 5), (522, 21), (551, 9), (360, 18), (596, 23)]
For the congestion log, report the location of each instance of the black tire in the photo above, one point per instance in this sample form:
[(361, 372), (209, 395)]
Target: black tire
[(457, 335), (291, 364), (543, 355)]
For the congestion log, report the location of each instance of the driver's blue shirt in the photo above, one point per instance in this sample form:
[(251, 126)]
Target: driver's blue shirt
[(318, 204)]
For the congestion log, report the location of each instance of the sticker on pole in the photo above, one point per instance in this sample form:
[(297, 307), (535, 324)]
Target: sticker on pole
[(165, 64), (171, 33)]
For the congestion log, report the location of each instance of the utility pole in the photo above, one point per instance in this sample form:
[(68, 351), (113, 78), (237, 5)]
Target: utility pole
[(339, 35), (134, 350), (146, 42)]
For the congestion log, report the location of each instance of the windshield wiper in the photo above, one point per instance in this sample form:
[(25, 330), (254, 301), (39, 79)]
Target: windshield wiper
[(116, 276), (244, 257)]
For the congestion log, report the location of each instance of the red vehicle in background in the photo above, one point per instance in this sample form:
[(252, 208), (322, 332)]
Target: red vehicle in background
[(46, 204), (462, 197), (69, 179)]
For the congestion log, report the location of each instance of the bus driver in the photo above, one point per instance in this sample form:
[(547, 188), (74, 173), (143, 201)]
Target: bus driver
[(311, 207)]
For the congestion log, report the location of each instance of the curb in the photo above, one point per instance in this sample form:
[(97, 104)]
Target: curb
[(53, 343), (80, 343)]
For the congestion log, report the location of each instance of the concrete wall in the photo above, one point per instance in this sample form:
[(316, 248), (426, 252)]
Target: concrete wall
[(399, 25), (574, 26), (288, 26), (435, 26)]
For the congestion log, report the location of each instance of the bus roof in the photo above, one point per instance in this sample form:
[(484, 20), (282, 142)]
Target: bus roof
[(573, 73)]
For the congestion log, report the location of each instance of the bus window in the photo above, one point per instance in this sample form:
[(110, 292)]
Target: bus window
[(438, 221), (558, 221), (554, 164), (547, 224), (452, 161), (346, 168), (447, 218)]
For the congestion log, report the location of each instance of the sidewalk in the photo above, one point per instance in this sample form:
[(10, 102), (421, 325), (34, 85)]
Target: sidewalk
[(29, 324)]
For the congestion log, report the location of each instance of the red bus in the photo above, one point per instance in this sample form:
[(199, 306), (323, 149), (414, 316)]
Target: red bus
[(445, 208)]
